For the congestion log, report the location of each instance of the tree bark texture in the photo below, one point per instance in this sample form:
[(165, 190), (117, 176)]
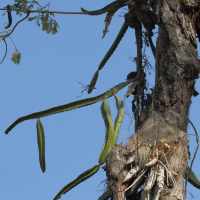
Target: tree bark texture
[(166, 119)]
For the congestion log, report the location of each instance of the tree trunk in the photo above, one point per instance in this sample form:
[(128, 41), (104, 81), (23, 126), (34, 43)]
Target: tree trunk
[(163, 123)]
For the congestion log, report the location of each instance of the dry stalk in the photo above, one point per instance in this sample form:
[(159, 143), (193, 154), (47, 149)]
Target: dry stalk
[(197, 140)]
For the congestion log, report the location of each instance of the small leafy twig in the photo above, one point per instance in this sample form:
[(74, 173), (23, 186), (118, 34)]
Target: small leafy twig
[(16, 55)]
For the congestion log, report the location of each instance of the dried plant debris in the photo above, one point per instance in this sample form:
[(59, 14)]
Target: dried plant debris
[(132, 173), (107, 23), (156, 165)]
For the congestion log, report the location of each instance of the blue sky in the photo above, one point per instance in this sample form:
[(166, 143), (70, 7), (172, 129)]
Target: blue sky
[(48, 76)]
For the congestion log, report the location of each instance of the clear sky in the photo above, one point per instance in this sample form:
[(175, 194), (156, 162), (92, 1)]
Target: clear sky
[(48, 76)]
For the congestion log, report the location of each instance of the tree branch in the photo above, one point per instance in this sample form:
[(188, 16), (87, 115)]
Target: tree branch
[(83, 13), (138, 35), (5, 36), (6, 51)]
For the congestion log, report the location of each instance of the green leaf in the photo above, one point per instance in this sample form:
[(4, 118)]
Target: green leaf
[(109, 137), (105, 195), (41, 145), (44, 19), (70, 106), (31, 18), (16, 57), (87, 174), (46, 22), (93, 82), (19, 8), (193, 179), (119, 118)]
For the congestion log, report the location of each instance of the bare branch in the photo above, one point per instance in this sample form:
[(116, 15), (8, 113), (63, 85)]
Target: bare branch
[(138, 35), (5, 53), (197, 140), (13, 43), (83, 13), (130, 122)]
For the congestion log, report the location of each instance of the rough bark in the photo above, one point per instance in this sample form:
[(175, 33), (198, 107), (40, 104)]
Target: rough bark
[(177, 67), (116, 171)]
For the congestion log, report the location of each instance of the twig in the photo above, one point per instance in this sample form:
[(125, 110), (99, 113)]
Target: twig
[(28, 11), (5, 30), (45, 6), (5, 36), (138, 36), (192, 197), (13, 43), (130, 122), (191, 134), (197, 140), (5, 53), (24, 5)]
